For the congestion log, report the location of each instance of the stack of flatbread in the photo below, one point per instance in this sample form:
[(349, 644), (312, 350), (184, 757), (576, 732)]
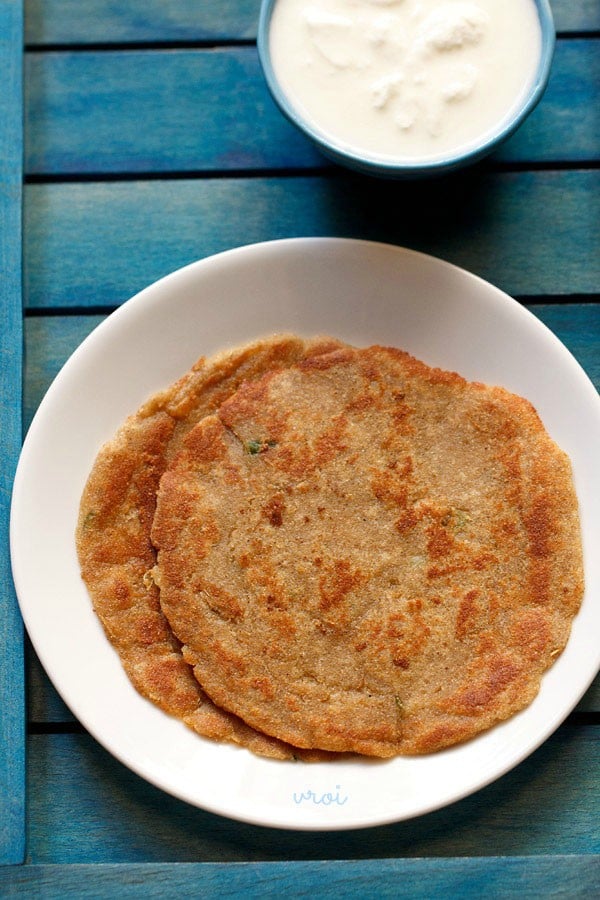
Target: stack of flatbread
[(309, 549)]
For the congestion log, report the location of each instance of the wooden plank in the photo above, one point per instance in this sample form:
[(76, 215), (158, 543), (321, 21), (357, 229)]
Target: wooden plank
[(12, 715), (204, 110), (413, 879), (44, 705), (590, 702), (530, 233), (102, 21), (93, 21), (559, 118), (85, 807), (576, 15), (211, 111)]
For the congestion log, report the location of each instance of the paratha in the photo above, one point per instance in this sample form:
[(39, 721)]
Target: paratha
[(113, 534), (361, 553)]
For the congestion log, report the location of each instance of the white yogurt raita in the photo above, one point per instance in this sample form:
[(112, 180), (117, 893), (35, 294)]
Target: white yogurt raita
[(405, 80)]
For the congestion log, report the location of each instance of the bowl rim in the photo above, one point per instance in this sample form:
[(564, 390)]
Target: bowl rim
[(372, 164)]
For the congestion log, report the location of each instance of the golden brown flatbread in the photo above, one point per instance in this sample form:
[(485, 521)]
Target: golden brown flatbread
[(361, 553), (113, 534)]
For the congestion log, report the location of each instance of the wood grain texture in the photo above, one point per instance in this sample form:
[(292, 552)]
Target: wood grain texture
[(90, 21), (12, 713), (44, 705), (558, 120), (202, 110), (210, 110), (576, 15), (86, 807), (102, 21), (96, 244), (414, 879)]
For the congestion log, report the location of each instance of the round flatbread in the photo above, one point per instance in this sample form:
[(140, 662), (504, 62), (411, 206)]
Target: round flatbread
[(113, 534), (361, 553)]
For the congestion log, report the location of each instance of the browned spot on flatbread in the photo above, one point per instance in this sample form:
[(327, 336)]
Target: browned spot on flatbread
[(274, 509), (468, 614), (499, 672), (439, 542), (336, 582)]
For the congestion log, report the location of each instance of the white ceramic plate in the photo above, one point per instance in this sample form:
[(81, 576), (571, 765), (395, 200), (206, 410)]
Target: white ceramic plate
[(361, 292)]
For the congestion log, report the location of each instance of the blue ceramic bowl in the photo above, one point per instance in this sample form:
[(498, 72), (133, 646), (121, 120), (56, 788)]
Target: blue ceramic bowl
[(364, 162)]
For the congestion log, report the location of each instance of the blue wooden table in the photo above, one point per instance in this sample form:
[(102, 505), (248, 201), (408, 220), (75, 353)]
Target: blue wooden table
[(137, 137)]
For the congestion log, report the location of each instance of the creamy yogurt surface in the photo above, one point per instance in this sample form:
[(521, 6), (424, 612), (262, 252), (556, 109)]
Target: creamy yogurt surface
[(405, 80)]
